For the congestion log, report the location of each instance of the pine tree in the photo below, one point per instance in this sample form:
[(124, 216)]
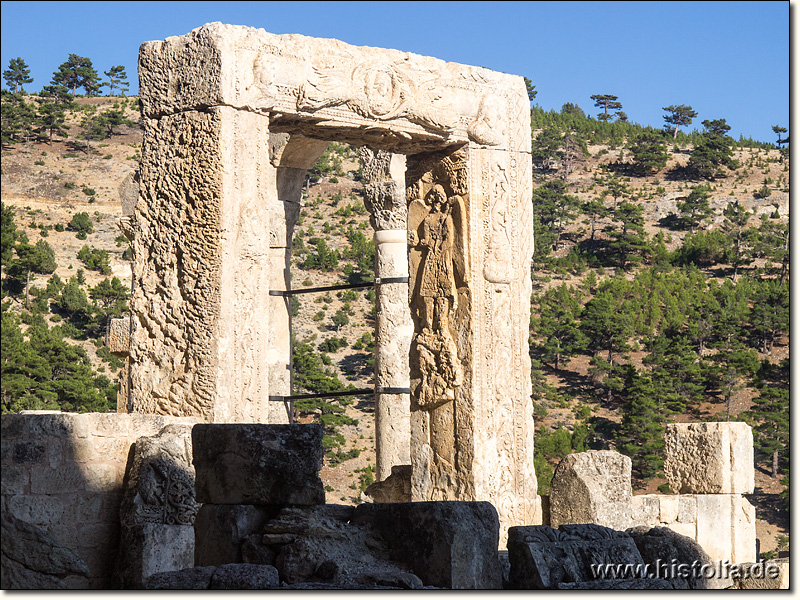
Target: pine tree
[(18, 74), (681, 114), (8, 234), (780, 131), (641, 435), (554, 207), (742, 238), (38, 258), (77, 72), (595, 209), (649, 153), (769, 415), (51, 117), (606, 320), (117, 79), (694, 209), (607, 102), (530, 88), (557, 325), (712, 151), (769, 315), (629, 240), (112, 296)]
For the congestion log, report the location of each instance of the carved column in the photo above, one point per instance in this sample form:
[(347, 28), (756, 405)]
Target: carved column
[(384, 192)]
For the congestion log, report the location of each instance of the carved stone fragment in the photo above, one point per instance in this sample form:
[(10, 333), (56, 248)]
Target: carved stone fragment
[(543, 558)]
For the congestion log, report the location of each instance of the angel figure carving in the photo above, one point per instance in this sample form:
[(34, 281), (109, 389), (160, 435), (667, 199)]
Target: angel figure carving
[(439, 239)]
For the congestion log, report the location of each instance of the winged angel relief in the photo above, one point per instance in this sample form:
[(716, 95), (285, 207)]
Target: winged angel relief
[(436, 226), (381, 91)]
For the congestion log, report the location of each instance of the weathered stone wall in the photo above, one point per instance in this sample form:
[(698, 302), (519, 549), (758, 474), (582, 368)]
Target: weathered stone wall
[(723, 524), (63, 473)]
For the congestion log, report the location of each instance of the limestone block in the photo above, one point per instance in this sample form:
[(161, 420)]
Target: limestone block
[(446, 544), (709, 458), (542, 557), (646, 509), (28, 452), (249, 68), (395, 488), (70, 478), (744, 530), (715, 525), (14, 480), (592, 487), (103, 477), (687, 529), (669, 508), (151, 548), (41, 424), (32, 560), (687, 509), (245, 577), (258, 464), (663, 550), (118, 336), (767, 575), (116, 425), (192, 578), (221, 529)]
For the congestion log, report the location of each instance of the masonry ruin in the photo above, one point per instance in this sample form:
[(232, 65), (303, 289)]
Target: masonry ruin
[(199, 481), (233, 117)]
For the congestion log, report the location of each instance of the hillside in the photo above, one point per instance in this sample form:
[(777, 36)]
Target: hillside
[(580, 403)]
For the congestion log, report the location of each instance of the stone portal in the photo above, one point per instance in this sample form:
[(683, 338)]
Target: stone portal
[(233, 116)]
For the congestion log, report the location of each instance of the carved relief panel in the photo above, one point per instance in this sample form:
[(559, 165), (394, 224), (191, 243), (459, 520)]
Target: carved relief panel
[(440, 299)]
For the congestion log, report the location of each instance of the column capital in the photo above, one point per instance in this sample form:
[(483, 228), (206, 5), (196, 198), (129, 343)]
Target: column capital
[(384, 188)]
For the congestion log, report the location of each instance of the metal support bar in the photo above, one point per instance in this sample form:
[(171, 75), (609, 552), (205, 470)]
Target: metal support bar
[(346, 286), (386, 390)]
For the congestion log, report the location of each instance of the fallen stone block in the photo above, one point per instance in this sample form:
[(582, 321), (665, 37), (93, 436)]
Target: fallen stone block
[(221, 530), (645, 583), (194, 578), (395, 488), (152, 548), (767, 575), (258, 464), (31, 560), (671, 556), (542, 557), (709, 458), (592, 487), (446, 544), (245, 577)]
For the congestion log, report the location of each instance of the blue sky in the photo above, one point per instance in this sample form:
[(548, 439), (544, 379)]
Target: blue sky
[(726, 59)]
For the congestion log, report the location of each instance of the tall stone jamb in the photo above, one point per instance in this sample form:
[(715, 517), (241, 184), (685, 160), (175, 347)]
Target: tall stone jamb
[(469, 251), (385, 197)]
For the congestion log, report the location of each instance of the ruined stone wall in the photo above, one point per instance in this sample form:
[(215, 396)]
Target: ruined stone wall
[(710, 469), (63, 473)]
